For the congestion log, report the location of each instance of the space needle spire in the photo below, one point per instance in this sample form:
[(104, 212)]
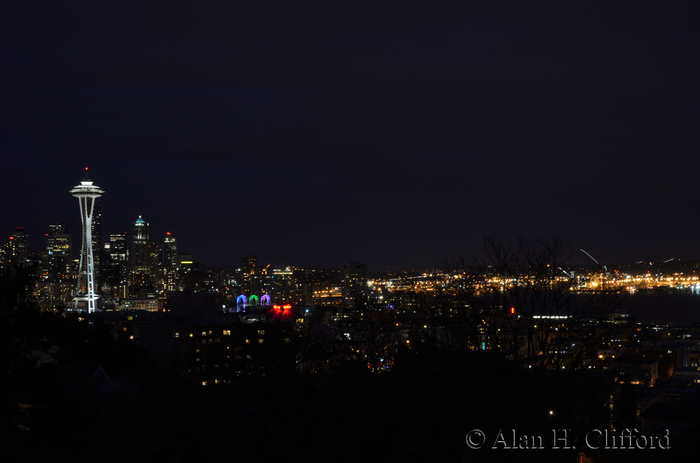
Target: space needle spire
[(86, 193)]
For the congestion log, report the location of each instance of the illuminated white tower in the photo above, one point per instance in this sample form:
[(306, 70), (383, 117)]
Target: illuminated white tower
[(86, 193)]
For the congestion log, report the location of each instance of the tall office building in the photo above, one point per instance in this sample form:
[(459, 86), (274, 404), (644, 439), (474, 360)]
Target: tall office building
[(140, 254), (56, 288), (154, 255), (143, 267), (248, 263), (17, 249), (353, 282), (168, 264), (56, 228), (169, 250), (281, 284), (58, 252), (86, 193), (116, 269), (117, 247), (96, 239)]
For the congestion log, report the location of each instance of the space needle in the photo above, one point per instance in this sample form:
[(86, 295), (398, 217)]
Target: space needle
[(86, 193)]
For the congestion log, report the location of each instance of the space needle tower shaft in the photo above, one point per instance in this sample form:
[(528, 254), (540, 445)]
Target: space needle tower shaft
[(86, 193)]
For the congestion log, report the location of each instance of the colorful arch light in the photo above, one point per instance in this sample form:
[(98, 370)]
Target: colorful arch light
[(265, 300), (253, 300), (241, 301)]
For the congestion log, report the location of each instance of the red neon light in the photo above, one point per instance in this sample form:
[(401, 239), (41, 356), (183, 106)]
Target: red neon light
[(287, 306), (276, 307)]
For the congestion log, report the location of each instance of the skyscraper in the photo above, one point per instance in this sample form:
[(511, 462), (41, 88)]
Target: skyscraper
[(154, 256), (17, 249), (96, 239), (56, 288), (248, 263), (58, 249), (168, 263), (169, 250), (86, 193), (117, 275), (117, 247), (142, 261), (354, 282), (56, 228), (140, 254)]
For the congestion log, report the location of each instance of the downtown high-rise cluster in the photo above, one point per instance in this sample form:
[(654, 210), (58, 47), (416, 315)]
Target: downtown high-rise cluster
[(81, 272)]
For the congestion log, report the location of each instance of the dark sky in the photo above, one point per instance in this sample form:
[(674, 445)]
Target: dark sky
[(316, 133)]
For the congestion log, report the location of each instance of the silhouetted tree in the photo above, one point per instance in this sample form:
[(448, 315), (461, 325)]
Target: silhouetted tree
[(517, 299)]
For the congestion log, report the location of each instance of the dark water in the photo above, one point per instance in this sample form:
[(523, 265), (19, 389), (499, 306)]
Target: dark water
[(677, 307)]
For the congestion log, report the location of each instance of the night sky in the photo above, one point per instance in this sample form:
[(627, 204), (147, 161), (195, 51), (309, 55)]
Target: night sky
[(318, 133)]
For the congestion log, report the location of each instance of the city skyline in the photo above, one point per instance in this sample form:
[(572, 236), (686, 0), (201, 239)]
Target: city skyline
[(395, 137), (162, 246), (582, 258)]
